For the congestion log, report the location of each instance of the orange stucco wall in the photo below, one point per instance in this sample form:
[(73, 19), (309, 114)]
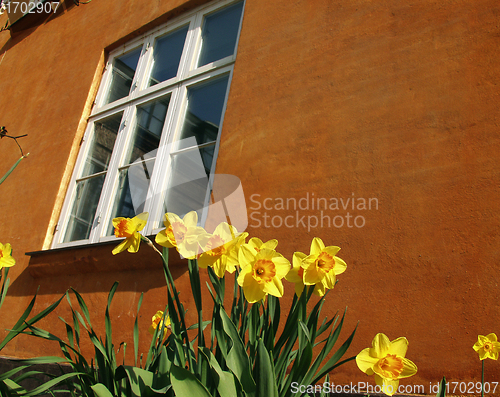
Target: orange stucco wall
[(394, 101)]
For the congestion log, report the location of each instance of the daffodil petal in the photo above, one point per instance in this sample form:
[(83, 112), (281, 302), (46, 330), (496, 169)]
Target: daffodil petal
[(319, 289), (282, 266), (206, 260), (311, 276), (340, 266), (246, 255), (139, 221), (121, 247), (331, 250), (255, 242), (271, 244), (381, 345), (329, 280), (317, 246), (275, 287), (409, 369), (253, 291), (245, 271), (135, 242), (366, 362), (191, 219), (7, 261), (492, 337), (162, 239), (389, 386), (399, 347)]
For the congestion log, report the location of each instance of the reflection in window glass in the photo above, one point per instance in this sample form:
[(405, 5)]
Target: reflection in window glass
[(204, 110), (219, 34), (101, 147), (84, 207), (167, 56), (123, 73), (188, 183), (133, 185), (147, 133)]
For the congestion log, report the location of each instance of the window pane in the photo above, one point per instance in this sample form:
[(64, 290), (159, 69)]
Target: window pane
[(204, 111), (101, 147), (82, 214), (123, 73), (133, 185), (219, 34), (147, 132), (167, 55), (187, 185)]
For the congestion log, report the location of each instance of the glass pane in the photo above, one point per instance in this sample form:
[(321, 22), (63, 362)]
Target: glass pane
[(188, 183), (149, 124), (82, 214), (133, 184), (122, 75), (219, 34), (204, 111), (101, 147), (167, 55)]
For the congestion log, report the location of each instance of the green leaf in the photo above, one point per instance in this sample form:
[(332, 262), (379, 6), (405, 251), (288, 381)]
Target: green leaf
[(224, 380), (332, 362), (442, 388), (185, 383), (51, 383), (11, 373), (11, 169), (21, 324), (237, 358), (264, 372), (13, 387), (139, 379), (136, 331), (101, 391)]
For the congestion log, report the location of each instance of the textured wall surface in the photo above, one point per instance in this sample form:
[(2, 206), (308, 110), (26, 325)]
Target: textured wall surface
[(394, 101)]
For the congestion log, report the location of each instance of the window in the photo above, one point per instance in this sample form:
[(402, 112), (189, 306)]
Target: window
[(152, 137)]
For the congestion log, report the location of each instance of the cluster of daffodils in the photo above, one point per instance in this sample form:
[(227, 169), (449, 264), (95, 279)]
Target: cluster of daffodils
[(261, 267), (487, 346), (6, 259), (386, 361)]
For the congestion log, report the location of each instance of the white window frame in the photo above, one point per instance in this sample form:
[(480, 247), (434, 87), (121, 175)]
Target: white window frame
[(188, 75)]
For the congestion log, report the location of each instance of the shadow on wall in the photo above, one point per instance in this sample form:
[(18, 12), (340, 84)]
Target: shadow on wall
[(94, 269)]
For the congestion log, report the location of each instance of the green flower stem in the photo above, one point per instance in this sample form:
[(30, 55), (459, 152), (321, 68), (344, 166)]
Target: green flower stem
[(482, 378), (173, 291), (194, 274)]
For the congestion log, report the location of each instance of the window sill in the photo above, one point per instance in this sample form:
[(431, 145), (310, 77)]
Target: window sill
[(95, 258)]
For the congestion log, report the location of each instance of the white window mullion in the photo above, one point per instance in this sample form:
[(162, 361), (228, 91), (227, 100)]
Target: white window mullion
[(194, 45), (162, 166), (143, 68)]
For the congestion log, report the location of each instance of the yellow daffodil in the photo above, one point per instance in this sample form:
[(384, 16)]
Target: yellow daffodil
[(183, 234), (6, 259), (219, 247), (322, 266), (157, 321), (487, 346), (261, 272), (296, 276), (129, 228), (386, 361)]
